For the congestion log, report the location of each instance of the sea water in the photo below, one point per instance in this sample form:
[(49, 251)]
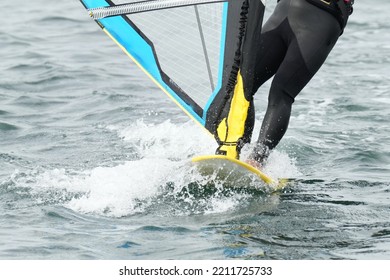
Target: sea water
[(94, 159)]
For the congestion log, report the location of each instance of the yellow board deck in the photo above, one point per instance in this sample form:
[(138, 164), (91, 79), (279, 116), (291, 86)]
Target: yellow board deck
[(234, 170)]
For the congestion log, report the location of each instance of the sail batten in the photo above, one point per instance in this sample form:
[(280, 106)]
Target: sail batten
[(143, 6)]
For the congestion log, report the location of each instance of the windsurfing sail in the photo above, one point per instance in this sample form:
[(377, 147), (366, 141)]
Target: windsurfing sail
[(199, 52)]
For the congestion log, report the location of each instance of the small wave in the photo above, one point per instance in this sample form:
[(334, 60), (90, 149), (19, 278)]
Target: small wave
[(7, 127), (52, 79), (382, 233), (12, 40), (59, 19), (30, 67), (8, 157)]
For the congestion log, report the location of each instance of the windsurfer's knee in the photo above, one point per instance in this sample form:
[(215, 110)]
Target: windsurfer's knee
[(280, 96)]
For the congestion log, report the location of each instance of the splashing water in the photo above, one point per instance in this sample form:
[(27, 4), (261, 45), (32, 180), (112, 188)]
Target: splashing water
[(161, 171)]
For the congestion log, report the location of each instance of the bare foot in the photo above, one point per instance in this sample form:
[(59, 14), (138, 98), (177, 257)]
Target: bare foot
[(254, 163)]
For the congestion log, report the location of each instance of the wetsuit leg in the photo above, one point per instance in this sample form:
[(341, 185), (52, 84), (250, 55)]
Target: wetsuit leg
[(296, 41)]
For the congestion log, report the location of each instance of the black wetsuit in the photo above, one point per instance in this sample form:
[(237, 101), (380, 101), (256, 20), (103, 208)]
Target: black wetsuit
[(296, 40)]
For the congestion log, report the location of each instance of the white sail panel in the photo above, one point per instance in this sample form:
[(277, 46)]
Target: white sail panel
[(187, 42)]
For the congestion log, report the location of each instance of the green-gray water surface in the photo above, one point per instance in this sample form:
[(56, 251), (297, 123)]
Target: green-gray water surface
[(94, 158)]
